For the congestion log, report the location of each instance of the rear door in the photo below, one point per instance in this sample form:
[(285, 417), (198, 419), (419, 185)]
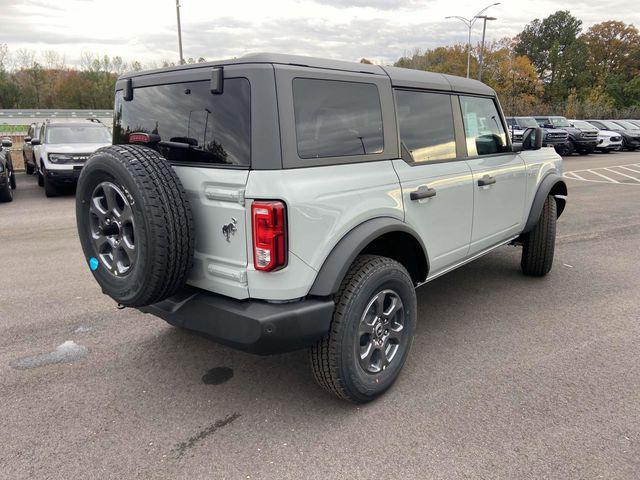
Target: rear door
[(210, 142), (437, 189), (499, 175)]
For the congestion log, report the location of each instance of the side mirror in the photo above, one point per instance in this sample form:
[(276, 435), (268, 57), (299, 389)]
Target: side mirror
[(548, 125), (532, 139), (35, 141), (27, 139), (6, 143)]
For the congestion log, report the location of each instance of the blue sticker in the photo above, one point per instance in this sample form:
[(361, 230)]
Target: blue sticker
[(93, 263)]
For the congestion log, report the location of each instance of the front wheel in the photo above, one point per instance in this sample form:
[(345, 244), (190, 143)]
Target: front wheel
[(371, 331), (538, 245)]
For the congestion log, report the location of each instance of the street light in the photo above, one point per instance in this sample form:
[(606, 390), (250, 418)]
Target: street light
[(470, 22), (179, 32), (484, 29)]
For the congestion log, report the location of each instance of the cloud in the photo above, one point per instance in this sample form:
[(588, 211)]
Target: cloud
[(375, 4)]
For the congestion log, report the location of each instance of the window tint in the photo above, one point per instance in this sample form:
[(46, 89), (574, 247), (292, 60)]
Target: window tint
[(187, 123), (482, 126), (426, 125), (336, 118)]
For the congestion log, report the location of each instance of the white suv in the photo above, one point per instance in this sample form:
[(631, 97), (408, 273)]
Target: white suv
[(275, 202), (608, 140), (62, 148)]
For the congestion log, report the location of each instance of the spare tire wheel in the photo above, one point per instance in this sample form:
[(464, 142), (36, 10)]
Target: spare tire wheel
[(135, 224)]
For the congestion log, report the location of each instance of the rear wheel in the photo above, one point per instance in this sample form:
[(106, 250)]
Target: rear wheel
[(538, 245), (29, 169), (371, 331), (6, 194), (135, 224)]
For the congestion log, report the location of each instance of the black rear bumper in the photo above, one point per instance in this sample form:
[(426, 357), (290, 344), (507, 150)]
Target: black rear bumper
[(253, 326)]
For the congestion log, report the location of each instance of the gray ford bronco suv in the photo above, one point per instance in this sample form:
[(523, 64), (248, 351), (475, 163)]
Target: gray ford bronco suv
[(276, 202)]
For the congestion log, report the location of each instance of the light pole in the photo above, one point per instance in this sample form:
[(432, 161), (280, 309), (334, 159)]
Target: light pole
[(470, 22), (484, 30), (179, 32)]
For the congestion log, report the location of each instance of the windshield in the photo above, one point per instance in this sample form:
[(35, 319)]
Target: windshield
[(626, 125), (78, 134), (527, 122), (583, 125), (610, 125), (559, 122)]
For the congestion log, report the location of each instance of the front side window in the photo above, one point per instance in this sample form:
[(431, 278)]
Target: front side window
[(185, 122), (77, 134), (482, 126), (426, 125), (337, 118)]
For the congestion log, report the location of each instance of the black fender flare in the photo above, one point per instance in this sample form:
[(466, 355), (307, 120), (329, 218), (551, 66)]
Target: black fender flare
[(552, 182), (337, 263)]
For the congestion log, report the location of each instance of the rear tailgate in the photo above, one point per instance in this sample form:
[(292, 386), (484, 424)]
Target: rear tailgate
[(217, 201)]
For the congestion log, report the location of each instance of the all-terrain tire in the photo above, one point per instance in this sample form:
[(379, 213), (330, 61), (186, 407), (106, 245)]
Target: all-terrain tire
[(6, 193), (163, 223), (40, 179), (334, 359), (539, 244)]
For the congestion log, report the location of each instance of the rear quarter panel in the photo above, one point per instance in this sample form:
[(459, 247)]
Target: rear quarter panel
[(323, 204)]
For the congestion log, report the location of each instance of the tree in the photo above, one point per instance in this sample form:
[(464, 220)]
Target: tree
[(555, 49), (613, 47)]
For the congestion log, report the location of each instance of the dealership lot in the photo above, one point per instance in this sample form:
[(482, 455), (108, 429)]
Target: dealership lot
[(510, 377)]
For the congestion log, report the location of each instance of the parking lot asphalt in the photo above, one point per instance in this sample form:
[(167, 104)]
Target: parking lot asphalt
[(509, 376)]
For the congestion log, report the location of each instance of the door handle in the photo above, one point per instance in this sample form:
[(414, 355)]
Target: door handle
[(486, 180), (423, 192)]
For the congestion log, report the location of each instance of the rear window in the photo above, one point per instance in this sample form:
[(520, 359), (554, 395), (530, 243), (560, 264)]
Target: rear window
[(337, 118), (188, 124)]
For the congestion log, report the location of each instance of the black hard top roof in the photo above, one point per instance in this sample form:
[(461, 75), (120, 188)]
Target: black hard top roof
[(400, 77)]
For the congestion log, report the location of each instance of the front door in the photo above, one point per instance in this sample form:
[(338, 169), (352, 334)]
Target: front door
[(437, 187), (499, 175)]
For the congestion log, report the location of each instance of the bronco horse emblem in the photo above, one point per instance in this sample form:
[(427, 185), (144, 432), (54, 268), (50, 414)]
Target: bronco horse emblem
[(229, 229)]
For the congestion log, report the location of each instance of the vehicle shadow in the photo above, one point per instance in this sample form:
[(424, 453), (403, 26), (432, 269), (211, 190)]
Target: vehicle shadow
[(177, 360)]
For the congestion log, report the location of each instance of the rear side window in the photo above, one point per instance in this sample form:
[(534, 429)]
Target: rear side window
[(482, 126), (187, 123), (426, 125), (336, 118)]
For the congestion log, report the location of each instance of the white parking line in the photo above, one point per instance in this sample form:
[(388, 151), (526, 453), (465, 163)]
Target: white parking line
[(604, 176), (598, 172), (623, 174), (630, 169)]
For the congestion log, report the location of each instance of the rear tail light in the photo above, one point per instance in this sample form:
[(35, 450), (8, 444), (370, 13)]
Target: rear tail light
[(268, 221)]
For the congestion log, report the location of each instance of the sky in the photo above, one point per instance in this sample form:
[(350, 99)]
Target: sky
[(381, 30)]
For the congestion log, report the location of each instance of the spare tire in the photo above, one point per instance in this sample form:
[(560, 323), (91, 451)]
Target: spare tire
[(135, 224)]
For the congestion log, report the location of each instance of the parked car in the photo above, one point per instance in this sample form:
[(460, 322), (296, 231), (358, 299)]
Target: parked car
[(607, 140), (630, 136), (276, 202), (579, 141), (553, 137), (634, 122), (27, 148), (7, 176), (61, 149)]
